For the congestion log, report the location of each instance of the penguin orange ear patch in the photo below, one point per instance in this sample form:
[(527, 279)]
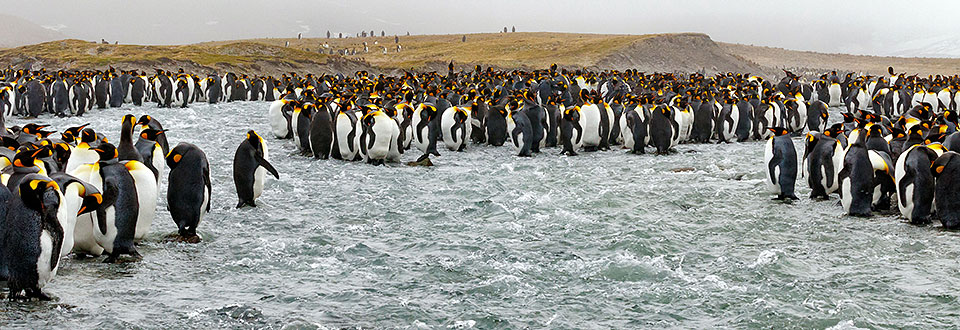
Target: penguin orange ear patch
[(176, 158), (939, 169)]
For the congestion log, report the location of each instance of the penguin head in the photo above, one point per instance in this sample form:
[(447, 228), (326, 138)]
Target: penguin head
[(107, 151), (144, 120), (27, 156), (127, 123), (39, 193), (874, 130), (778, 131), (91, 197), (88, 135), (32, 128), (151, 134), (255, 140), (74, 132)]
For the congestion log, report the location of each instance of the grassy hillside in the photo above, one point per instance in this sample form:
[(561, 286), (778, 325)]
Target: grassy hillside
[(683, 52), (505, 50)]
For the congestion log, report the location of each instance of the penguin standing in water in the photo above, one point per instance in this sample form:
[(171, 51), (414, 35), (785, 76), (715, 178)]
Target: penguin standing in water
[(147, 121), (32, 238), (77, 198), (916, 184), (817, 116), (126, 149), (522, 132), (344, 132), (188, 196), (281, 115), (426, 129), (215, 89), (249, 168), (115, 223), (571, 133), (495, 125), (858, 177), (822, 162), (321, 133), (663, 128), (781, 159), (150, 150), (633, 128), (946, 170), (456, 126)]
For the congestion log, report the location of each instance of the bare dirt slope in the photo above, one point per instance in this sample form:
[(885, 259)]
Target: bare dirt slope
[(820, 62)]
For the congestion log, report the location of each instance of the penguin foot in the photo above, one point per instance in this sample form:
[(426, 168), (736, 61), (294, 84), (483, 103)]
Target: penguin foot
[(36, 293)]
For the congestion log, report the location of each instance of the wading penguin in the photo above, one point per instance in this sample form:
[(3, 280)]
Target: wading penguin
[(781, 162), (571, 133), (32, 238), (946, 169), (915, 183), (249, 168), (188, 196)]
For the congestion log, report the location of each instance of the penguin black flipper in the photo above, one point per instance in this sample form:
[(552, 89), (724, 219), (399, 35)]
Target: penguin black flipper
[(206, 182), (110, 195), (265, 164), (773, 164)]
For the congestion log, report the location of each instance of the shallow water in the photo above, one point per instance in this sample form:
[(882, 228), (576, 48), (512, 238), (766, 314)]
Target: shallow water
[(488, 240)]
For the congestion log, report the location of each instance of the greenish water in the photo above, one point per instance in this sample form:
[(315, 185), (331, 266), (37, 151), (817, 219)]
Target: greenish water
[(488, 240)]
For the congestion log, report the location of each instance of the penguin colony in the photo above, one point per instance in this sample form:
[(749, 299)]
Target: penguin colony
[(80, 193), (898, 143)]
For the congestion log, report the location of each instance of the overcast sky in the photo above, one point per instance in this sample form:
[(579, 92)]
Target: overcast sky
[(905, 28)]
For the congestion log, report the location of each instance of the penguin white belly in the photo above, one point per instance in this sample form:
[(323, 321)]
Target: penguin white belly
[(261, 173), (932, 99), (44, 272), (772, 174), (944, 97), (344, 128), (916, 99), (157, 160), (511, 124), (147, 194), (79, 156), (294, 122), (834, 91), (846, 198), (105, 240), (590, 122), (956, 100), (688, 124), (626, 133), (838, 156), (383, 133), (394, 154), (67, 215), (447, 122), (356, 138), (278, 123), (84, 238)]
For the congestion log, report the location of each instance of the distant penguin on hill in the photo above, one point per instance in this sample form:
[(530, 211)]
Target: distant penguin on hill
[(188, 195), (781, 163), (249, 168)]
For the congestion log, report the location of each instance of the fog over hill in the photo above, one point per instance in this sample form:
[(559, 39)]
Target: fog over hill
[(15, 31)]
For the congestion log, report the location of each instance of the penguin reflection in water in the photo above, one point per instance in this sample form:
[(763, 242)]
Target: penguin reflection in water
[(249, 168)]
